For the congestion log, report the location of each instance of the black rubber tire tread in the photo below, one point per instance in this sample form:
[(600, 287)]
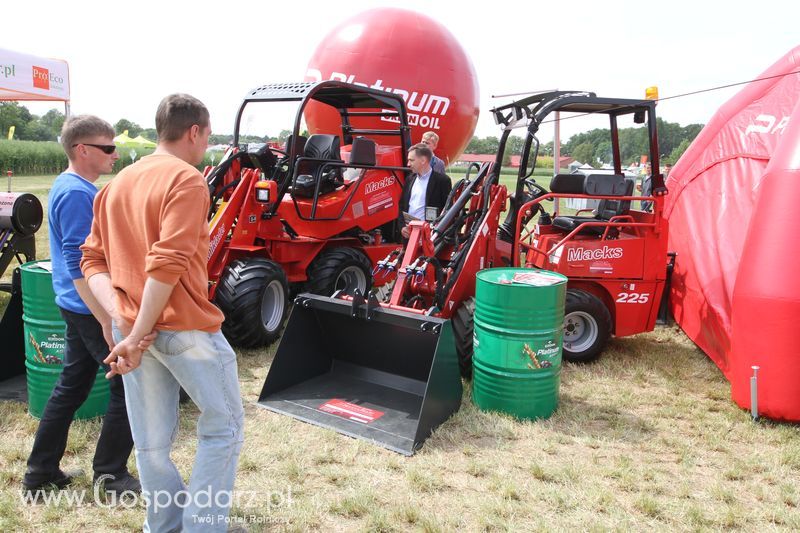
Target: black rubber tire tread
[(578, 300), (463, 330), (324, 270), (239, 295)]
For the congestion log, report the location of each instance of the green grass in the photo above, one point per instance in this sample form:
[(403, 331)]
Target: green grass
[(645, 439)]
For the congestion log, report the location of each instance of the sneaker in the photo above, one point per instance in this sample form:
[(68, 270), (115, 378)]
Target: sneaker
[(125, 483), (35, 482)]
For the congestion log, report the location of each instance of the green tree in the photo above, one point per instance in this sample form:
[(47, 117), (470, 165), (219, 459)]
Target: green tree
[(13, 114), (603, 152), (676, 154), (53, 120), (220, 139), (36, 131), (472, 147), (584, 153), (514, 145), (149, 134), (124, 124)]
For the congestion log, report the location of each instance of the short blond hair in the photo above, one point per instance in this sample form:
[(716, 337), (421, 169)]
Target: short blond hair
[(431, 135), (79, 128)]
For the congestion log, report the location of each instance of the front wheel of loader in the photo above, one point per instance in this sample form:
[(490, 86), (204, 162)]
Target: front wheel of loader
[(463, 330), (587, 326), (253, 295), (345, 269)]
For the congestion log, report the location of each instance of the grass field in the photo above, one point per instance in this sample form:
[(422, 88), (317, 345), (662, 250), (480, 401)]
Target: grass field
[(646, 439)]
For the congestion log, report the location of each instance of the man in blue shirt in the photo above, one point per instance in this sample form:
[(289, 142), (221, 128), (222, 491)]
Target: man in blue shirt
[(89, 144)]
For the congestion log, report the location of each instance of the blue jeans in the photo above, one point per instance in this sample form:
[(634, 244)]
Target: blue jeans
[(205, 366)]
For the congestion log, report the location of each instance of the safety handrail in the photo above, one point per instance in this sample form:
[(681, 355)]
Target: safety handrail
[(351, 186), (608, 224)]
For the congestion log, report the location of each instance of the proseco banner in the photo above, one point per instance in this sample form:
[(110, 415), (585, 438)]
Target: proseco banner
[(26, 77)]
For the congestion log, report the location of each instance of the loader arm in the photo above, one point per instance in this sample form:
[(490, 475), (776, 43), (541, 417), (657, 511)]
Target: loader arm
[(225, 218)]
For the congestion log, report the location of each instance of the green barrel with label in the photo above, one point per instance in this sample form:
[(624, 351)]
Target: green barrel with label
[(519, 314), (44, 331)]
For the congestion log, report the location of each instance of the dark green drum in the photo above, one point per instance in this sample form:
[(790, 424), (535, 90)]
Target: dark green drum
[(44, 345), (519, 314)]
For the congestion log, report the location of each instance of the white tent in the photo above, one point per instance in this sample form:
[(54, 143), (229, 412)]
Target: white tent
[(27, 77)]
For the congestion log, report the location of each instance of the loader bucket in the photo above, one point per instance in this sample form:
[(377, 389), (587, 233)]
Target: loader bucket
[(386, 376)]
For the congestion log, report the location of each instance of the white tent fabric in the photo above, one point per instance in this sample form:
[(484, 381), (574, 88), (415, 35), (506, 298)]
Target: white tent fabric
[(27, 77)]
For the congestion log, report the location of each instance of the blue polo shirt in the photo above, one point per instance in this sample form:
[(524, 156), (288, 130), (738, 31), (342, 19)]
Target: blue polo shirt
[(70, 220)]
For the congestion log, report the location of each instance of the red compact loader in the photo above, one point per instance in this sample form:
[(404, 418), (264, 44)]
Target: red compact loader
[(388, 371), (615, 257), (313, 217)]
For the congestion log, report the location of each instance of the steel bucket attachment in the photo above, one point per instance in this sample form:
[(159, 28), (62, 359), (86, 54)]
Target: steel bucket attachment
[(370, 372)]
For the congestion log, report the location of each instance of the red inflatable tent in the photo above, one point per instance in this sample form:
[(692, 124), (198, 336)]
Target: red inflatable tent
[(733, 213)]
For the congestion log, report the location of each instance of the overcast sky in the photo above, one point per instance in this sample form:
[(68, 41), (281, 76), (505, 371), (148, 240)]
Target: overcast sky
[(124, 57)]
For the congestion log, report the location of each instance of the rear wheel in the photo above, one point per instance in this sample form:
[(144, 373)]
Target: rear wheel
[(252, 294), (463, 331), (345, 269), (587, 326)]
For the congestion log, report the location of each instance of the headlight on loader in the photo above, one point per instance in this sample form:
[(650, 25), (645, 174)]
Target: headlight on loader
[(266, 191)]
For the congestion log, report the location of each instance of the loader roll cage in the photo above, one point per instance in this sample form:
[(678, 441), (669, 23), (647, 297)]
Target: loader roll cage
[(350, 101), (531, 112)]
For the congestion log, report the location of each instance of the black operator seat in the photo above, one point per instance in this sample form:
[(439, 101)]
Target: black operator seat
[(324, 147), (593, 185)]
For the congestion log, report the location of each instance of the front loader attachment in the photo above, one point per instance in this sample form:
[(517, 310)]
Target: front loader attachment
[(365, 370)]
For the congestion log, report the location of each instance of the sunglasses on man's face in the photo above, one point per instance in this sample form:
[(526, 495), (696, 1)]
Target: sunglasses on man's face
[(106, 148)]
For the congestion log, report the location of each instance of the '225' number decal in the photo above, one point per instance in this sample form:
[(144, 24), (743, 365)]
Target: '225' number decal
[(633, 298)]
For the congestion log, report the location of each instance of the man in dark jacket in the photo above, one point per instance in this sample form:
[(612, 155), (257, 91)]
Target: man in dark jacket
[(424, 188)]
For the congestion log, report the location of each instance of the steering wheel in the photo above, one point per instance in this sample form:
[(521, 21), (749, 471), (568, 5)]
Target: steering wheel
[(534, 189)]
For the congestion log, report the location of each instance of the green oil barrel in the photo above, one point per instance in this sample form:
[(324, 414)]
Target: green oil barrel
[(44, 332), (519, 314)]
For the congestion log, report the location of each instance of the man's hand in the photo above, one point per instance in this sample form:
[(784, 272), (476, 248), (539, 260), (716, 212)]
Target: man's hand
[(107, 335), (125, 328), (125, 357), (405, 232)]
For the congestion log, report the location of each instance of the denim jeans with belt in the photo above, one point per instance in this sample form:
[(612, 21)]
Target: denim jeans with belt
[(203, 364)]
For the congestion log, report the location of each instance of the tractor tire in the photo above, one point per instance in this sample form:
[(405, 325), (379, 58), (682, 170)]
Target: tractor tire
[(347, 269), (463, 330), (587, 327), (253, 295)]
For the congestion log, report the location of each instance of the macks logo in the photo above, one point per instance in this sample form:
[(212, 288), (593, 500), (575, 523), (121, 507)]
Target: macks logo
[(375, 186), (582, 254)]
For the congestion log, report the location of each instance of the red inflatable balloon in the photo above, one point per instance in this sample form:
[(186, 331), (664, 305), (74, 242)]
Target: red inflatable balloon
[(410, 54)]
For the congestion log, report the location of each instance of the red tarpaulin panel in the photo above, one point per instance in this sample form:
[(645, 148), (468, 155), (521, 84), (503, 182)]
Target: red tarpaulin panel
[(735, 288)]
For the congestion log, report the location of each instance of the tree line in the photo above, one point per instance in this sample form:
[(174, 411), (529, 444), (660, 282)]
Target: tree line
[(594, 147)]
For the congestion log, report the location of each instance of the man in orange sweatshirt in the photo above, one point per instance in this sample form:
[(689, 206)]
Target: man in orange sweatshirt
[(145, 261)]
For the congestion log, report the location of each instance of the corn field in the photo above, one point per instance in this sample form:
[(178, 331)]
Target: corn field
[(42, 158), (32, 157)]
